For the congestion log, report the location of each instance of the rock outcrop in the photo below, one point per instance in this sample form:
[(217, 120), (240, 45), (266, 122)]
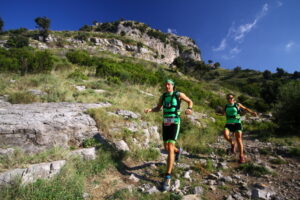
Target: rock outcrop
[(127, 38), (39, 126)]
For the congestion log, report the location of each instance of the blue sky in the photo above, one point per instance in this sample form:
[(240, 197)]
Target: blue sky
[(254, 34)]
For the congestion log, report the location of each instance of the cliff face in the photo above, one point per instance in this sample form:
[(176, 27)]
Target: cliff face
[(128, 38)]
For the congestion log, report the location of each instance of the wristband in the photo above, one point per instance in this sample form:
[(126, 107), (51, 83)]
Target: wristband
[(190, 108)]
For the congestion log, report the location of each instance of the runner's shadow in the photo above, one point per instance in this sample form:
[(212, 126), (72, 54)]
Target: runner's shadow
[(118, 156)]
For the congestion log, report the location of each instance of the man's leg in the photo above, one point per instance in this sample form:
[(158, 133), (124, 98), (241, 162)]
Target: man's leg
[(238, 136), (171, 157), (227, 137)]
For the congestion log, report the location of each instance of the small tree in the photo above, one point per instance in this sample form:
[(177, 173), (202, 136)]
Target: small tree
[(43, 24), (237, 69), (280, 72), (1, 24), (17, 41), (217, 65), (287, 110), (267, 74)]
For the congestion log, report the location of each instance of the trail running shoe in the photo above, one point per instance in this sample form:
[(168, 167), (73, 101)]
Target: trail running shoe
[(242, 159), (166, 185), (178, 154)]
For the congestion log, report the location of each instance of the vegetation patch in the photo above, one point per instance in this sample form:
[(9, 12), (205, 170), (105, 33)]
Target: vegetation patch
[(253, 169)]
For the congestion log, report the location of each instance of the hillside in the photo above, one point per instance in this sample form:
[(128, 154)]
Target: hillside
[(73, 123)]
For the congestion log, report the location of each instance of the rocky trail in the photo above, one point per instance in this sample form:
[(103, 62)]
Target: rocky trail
[(270, 172), (191, 179)]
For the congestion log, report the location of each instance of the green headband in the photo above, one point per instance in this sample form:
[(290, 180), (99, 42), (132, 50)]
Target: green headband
[(170, 81)]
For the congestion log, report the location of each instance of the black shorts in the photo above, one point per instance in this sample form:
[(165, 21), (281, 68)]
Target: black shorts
[(234, 127), (170, 133)]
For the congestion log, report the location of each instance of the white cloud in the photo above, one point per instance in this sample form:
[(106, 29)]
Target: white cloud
[(235, 51), (172, 31), (289, 45), (222, 46), (237, 33), (243, 29), (279, 3)]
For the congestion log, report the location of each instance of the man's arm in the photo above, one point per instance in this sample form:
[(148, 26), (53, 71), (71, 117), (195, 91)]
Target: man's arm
[(247, 109), (188, 111), (156, 108)]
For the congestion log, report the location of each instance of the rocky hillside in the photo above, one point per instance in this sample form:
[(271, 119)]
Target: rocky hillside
[(127, 38)]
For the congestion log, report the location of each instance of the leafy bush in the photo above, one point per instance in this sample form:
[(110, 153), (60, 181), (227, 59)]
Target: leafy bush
[(21, 97), (287, 110), (80, 57), (158, 35), (253, 169), (78, 75), (17, 41), (26, 60)]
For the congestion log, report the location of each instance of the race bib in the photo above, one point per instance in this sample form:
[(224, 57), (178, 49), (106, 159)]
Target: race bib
[(169, 121)]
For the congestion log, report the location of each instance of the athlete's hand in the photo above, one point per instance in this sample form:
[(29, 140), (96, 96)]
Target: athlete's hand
[(147, 110), (254, 114), (188, 112)]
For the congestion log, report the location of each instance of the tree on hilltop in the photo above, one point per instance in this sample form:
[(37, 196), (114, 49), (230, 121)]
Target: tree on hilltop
[(43, 24), (1, 24)]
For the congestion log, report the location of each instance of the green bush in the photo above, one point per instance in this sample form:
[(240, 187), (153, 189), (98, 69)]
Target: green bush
[(253, 169), (22, 97), (78, 75), (80, 57), (26, 60), (17, 41), (158, 35), (287, 110)]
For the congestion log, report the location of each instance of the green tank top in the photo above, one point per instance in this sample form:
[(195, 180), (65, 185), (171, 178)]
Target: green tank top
[(232, 114), (171, 106)]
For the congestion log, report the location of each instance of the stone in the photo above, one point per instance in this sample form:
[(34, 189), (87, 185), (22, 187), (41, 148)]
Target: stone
[(198, 190), (134, 178), (80, 88), (226, 179), (229, 198), (152, 190), (6, 152), (87, 154), (32, 173), (187, 174), (99, 91), (127, 114), (191, 197), (37, 92), (40, 126), (121, 145), (257, 193), (85, 195)]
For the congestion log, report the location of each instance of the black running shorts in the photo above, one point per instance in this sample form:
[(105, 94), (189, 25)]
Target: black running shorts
[(234, 127)]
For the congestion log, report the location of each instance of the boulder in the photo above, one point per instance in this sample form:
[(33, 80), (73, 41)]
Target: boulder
[(39, 126)]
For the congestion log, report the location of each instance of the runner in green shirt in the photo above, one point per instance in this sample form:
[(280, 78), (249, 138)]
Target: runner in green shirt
[(170, 101), (233, 124)]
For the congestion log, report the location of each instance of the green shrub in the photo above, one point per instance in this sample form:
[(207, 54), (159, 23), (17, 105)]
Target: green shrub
[(287, 110), (294, 151), (278, 161), (80, 57), (17, 41), (78, 75), (253, 169), (21, 97), (158, 35), (91, 142)]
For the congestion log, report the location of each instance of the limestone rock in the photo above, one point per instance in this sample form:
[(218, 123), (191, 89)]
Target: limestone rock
[(32, 173), (121, 145), (39, 126), (87, 154)]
